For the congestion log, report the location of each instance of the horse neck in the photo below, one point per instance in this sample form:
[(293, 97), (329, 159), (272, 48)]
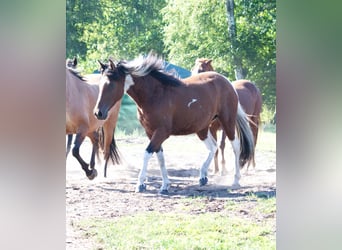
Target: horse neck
[(144, 90), (79, 87)]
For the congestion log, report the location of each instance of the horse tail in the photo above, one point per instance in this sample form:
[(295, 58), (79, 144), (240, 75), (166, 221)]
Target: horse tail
[(246, 137), (113, 151)]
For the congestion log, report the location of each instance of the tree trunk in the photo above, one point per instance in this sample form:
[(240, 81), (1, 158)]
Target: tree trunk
[(233, 41)]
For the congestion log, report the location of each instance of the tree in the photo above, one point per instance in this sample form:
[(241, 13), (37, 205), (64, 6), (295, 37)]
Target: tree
[(121, 29), (198, 28), (233, 40)]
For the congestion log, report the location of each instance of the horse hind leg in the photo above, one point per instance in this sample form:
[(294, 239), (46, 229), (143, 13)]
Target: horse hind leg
[(95, 141), (223, 161), (211, 145), (229, 128), (236, 148), (76, 153), (213, 130), (69, 142)]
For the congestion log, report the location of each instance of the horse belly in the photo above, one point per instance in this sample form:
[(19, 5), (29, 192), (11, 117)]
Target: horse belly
[(192, 120)]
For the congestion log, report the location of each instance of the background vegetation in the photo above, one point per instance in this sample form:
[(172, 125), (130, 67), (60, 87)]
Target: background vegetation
[(180, 31)]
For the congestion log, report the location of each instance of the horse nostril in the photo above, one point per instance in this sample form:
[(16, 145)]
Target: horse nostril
[(98, 114)]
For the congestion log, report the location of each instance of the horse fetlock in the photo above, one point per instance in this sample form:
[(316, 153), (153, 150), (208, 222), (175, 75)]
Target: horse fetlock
[(164, 192), (203, 181), (140, 188), (93, 174), (165, 187), (236, 185)]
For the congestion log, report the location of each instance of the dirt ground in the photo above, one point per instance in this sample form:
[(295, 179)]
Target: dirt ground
[(114, 196)]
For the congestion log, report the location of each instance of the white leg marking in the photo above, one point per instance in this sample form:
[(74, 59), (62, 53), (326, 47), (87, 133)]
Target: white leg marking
[(211, 145), (191, 102), (236, 147), (143, 170), (166, 181)]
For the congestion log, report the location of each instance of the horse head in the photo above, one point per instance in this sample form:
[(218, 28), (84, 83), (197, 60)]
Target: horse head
[(111, 88), (202, 65)]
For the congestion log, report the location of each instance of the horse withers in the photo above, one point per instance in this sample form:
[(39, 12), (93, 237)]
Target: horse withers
[(170, 106), (81, 96), (250, 99)]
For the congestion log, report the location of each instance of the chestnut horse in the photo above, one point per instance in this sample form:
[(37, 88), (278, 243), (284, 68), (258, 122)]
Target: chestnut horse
[(171, 106), (81, 98), (251, 102)]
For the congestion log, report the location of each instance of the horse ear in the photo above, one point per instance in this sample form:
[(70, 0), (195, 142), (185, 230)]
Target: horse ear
[(209, 61), (112, 64), (74, 62), (102, 65)]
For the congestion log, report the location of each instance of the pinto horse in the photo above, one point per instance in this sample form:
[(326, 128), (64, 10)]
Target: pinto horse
[(250, 99), (171, 106), (81, 98)]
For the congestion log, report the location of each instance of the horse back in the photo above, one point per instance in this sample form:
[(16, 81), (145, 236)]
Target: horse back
[(249, 96)]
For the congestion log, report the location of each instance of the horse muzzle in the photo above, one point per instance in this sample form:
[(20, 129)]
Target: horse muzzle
[(100, 115)]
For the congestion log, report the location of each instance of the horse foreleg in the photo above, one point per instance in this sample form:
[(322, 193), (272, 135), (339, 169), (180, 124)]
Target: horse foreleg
[(166, 182), (76, 153), (94, 139), (211, 145), (236, 148), (156, 141), (141, 186)]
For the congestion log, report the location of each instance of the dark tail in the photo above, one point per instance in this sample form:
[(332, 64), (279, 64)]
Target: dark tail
[(246, 138), (114, 154)]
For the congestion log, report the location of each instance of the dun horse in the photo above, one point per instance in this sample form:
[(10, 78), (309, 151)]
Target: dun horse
[(250, 99), (170, 106), (81, 98)]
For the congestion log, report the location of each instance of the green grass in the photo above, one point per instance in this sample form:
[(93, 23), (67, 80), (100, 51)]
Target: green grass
[(266, 140), (180, 230)]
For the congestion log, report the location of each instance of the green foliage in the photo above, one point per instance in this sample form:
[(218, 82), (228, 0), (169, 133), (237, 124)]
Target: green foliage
[(179, 30), (121, 29), (199, 28)]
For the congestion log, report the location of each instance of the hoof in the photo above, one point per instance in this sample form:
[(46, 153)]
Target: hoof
[(203, 181), (92, 175), (141, 188), (164, 192), (236, 186)]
